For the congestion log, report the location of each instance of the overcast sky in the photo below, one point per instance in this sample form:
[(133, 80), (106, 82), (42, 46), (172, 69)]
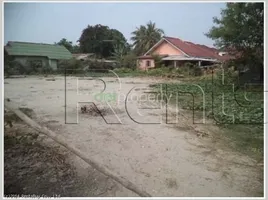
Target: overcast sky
[(49, 22)]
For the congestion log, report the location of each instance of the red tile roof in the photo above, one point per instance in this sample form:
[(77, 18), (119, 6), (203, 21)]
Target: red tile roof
[(196, 50)]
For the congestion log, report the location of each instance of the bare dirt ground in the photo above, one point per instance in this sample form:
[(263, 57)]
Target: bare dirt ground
[(34, 166), (163, 159)]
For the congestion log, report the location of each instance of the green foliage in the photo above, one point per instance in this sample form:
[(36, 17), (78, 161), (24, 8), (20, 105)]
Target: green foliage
[(129, 61), (240, 31), (14, 67), (197, 71), (165, 72), (123, 70), (100, 40), (145, 37), (182, 70), (11, 67), (67, 44), (34, 67), (189, 69), (155, 72), (157, 61), (226, 76), (120, 50), (76, 49), (189, 65), (72, 66), (158, 71), (99, 66), (246, 106)]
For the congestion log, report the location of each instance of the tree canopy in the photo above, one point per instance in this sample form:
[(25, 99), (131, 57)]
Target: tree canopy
[(145, 37), (100, 40), (240, 28), (67, 44)]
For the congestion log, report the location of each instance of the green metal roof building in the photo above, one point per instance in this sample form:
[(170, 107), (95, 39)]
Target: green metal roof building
[(43, 54)]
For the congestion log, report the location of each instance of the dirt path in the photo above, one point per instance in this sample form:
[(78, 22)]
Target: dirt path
[(164, 159)]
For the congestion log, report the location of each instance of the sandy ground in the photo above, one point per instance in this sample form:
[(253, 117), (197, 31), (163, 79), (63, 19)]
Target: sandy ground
[(163, 159), (36, 166)]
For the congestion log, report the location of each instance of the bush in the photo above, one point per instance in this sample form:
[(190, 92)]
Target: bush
[(123, 70), (14, 68), (99, 66), (47, 70), (129, 61), (72, 66), (189, 65), (158, 71), (185, 70), (190, 69), (248, 115), (229, 75), (197, 71), (157, 60)]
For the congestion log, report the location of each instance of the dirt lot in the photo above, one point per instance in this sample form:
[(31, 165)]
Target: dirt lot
[(163, 159), (35, 165)]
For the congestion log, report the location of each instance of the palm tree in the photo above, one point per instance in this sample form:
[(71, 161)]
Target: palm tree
[(120, 50), (145, 37)]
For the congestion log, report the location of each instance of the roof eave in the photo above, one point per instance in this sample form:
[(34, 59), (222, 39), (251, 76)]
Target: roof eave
[(191, 59)]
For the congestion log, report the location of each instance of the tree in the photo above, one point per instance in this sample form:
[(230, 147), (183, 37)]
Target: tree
[(145, 37), (119, 52), (76, 49), (100, 40), (67, 44), (240, 30), (129, 61)]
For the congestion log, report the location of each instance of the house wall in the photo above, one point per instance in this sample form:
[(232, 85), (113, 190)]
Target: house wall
[(142, 63), (163, 49), (166, 49), (54, 64), (24, 60)]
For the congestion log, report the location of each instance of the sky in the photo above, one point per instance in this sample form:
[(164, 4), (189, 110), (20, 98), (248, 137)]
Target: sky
[(50, 22)]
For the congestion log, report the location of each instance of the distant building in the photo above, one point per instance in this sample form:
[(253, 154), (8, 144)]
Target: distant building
[(83, 56), (90, 57), (42, 55), (175, 52)]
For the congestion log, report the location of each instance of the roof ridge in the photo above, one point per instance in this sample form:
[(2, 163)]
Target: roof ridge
[(174, 38), (33, 43), (188, 41)]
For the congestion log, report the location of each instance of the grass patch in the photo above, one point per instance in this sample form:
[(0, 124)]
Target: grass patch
[(238, 111), (127, 72)]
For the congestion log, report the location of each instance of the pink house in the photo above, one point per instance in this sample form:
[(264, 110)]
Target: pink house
[(175, 52)]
